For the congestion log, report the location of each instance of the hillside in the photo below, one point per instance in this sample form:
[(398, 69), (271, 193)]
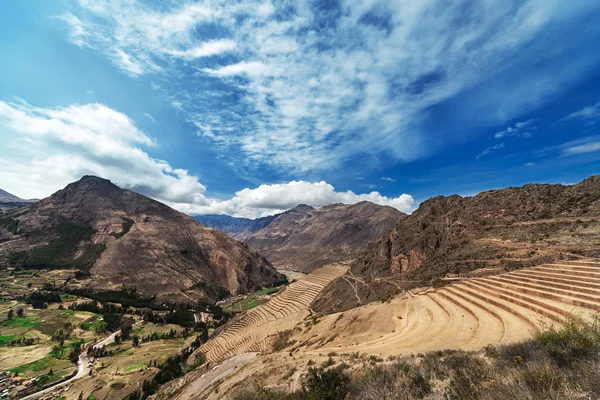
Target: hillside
[(117, 237), (305, 238), (239, 228), (504, 229)]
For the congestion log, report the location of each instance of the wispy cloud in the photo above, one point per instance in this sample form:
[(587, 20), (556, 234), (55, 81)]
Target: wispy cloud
[(519, 129), (304, 86), (490, 150), (386, 178), (529, 164), (588, 112), (150, 117), (589, 147), (580, 146)]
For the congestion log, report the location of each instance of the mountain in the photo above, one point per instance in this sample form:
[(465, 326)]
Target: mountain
[(305, 238), (118, 237), (6, 197), (238, 228), (498, 229)]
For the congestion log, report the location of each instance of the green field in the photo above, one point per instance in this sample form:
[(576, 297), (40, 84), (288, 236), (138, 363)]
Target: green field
[(251, 301), (21, 322)]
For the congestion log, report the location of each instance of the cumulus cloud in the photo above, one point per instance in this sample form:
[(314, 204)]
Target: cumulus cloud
[(305, 86), (490, 150), (520, 130), (271, 199), (47, 148)]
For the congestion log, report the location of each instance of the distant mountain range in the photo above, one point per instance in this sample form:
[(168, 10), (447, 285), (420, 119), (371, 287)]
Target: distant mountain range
[(6, 197), (117, 237), (305, 238), (239, 228), (506, 228)]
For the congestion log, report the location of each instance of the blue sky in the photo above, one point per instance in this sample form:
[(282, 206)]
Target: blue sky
[(250, 107)]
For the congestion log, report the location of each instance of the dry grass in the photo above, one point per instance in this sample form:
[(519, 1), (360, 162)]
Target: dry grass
[(559, 363)]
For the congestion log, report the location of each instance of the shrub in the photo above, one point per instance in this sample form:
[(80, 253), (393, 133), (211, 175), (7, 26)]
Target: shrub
[(573, 342), (323, 384)]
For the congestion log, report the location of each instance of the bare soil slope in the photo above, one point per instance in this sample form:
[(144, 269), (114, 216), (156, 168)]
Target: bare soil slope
[(305, 238), (512, 228), (467, 314), (120, 237)]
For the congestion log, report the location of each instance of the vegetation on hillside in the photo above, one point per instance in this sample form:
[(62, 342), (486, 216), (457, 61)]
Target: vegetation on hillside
[(61, 252), (559, 363)]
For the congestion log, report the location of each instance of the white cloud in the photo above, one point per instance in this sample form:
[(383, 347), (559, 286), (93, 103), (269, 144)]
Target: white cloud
[(313, 88), (271, 199), (588, 112), (150, 117), (490, 150), (46, 148), (204, 50), (576, 147), (252, 68), (529, 164), (589, 147), (140, 38), (385, 178), (520, 129)]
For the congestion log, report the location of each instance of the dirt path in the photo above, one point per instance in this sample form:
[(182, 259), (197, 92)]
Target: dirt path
[(212, 376), (82, 368), (14, 303)]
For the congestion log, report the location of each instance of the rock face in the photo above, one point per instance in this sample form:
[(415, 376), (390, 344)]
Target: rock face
[(120, 237), (239, 228), (305, 238), (508, 228)]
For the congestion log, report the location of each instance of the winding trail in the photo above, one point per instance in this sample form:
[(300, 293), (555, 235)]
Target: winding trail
[(220, 371), (82, 368)]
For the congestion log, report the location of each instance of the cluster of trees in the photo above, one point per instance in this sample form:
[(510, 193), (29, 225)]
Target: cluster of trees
[(24, 341), (126, 328), (11, 313), (172, 368), (39, 299), (62, 334), (98, 352), (179, 316)]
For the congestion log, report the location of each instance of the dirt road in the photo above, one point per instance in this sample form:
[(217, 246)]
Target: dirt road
[(212, 376), (82, 368)]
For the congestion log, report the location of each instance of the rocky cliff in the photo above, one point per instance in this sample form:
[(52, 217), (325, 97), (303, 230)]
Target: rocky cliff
[(505, 229)]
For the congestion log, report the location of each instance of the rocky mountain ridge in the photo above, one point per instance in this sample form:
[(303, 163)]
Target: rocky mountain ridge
[(120, 238), (506, 228), (305, 238)]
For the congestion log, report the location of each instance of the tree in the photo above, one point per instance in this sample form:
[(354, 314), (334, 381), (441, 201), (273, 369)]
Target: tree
[(20, 312), (29, 285), (135, 340), (11, 314)]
